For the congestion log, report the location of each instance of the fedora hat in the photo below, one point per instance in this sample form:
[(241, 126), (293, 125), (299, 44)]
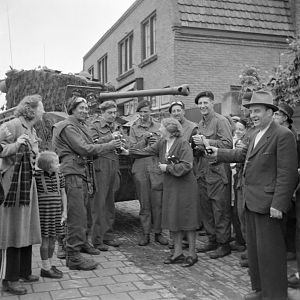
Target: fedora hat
[(262, 98), (287, 110)]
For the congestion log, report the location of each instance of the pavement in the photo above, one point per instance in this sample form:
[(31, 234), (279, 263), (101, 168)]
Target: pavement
[(131, 272)]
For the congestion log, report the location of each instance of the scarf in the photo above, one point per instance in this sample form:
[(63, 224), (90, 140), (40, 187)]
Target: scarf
[(21, 181)]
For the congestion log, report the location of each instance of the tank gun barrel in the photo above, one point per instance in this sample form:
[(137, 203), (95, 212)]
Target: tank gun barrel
[(182, 90)]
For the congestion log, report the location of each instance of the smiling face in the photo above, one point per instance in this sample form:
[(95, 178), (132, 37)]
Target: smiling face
[(177, 112), (280, 117), (109, 115), (240, 130), (81, 111), (144, 113), (260, 115), (206, 105)]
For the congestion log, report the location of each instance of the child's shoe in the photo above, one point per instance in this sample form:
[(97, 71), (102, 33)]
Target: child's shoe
[(50, 274)]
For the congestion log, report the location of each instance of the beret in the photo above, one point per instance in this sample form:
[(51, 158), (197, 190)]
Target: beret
[(142, 104), (207, 94)]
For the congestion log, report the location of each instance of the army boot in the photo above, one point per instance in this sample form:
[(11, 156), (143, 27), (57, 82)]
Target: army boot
[(144, 240), (75, 261)]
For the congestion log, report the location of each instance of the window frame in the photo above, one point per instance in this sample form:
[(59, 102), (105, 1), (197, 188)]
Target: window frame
[(91, 70), (148, 30), (102, 69), (125, 49)]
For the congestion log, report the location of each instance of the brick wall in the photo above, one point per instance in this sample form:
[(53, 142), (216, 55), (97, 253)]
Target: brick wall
[(159, 73), (216, 66)]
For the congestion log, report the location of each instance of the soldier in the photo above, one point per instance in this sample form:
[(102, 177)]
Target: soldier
[(105, 130), (73, 143), (147, 175), (212, 178)]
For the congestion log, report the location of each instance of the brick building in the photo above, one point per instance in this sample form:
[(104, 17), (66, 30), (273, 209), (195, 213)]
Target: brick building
[(205, 43)]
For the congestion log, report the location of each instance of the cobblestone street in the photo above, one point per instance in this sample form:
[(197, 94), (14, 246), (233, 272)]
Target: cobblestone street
[(138, 273)]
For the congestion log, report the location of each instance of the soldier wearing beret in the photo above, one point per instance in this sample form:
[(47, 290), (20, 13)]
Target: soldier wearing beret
[(76, 150), (213, 179), (147, 175), (105, 130)]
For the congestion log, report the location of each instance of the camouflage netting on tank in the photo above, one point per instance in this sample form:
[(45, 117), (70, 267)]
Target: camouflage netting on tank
[(49, 84)]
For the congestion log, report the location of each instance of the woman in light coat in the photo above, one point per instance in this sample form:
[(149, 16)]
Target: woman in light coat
[(19, 215)]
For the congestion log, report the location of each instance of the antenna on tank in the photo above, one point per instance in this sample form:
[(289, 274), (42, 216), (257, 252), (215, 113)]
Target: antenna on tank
[(9, 36)]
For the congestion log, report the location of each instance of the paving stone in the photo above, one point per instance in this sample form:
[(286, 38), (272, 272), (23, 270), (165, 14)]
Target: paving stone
[(36, 296), (121, 287), (116, 296), (46, 286), (144, 295), (107, 272), (87, 298), (148, 284), (93, 290), (126, 278), (9, 297), (100, 281), (112, 264), (65, 294), (78, 274), (131, 270), (75, 283)]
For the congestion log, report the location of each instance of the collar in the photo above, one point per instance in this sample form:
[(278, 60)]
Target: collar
[(266, 128), (145, 125), (208, 118), (76, 121)]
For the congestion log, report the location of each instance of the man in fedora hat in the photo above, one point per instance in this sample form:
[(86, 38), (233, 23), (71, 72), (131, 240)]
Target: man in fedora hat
[(284, 117), (269, 179)]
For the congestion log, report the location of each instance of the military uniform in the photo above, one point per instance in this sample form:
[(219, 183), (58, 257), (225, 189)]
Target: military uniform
[(147, 177), (73, 143), (108, 182), (213, 180)]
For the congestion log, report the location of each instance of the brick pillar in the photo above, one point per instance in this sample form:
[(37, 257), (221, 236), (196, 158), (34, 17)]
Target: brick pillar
[(295, 12)]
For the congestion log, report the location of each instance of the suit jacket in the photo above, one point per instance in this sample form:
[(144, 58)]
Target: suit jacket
[(270, 173)]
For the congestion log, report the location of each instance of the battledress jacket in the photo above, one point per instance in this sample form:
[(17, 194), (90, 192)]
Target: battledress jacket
[(73, 143)]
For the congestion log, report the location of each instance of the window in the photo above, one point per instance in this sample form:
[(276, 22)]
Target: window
[(91, 71), (102, 69), (125, 54), (149, 37)]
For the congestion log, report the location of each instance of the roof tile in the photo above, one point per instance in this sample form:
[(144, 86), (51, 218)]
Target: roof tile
[(264, 16)]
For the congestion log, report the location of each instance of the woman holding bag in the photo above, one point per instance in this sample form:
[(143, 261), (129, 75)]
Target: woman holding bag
[(19, 215)]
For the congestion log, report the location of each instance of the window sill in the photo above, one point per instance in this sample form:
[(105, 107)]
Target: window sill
[(124, 75), (148, 61)]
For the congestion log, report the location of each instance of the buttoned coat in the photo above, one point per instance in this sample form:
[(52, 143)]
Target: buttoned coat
[(270, 172)]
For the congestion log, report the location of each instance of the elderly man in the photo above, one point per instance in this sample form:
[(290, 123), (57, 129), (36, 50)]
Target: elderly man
[(269, 179), (73, 143), (213, 178), (104, 130), (147, 176)]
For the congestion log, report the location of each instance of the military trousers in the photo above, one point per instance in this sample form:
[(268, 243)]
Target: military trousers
[(103, 203), (215, 211), (78, 198), (150, 198)]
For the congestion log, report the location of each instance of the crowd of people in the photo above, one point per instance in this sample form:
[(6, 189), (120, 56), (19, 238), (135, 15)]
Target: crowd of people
[(235, 178)]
